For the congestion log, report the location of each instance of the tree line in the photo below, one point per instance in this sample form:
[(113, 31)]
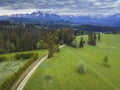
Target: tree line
[(23, 39)]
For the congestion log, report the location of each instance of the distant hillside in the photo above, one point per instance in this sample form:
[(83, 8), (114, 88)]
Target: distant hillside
[(61, 26)]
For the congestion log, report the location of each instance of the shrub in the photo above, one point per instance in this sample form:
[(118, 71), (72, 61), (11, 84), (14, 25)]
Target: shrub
[(50, 54), (3, 58), (74, 43), (82, 67), (23, 56), (48, 78), (105, 60)]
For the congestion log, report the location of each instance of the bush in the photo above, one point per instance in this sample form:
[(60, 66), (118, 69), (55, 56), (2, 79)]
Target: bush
[(48, 77), (8, 83), (92, 38), (50, 54), (23, 56), (3, 58), (82, 67), (74, 43), (105, 60)]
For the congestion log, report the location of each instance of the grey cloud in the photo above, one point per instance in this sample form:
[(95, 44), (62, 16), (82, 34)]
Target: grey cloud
[(65, 6)]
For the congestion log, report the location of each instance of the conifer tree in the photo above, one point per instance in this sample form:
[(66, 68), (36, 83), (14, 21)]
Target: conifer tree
[(95, 36), (51, 49), (81, 42), (99, 37)]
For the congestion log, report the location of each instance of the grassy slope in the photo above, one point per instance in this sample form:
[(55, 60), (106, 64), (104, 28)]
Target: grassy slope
[(10, 66), (65, 76)]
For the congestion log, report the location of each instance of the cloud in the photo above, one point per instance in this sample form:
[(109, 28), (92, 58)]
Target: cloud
[(76, 7), (20, 11)]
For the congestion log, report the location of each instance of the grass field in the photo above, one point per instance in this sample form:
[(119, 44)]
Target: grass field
[(60, 72), (11, 65)]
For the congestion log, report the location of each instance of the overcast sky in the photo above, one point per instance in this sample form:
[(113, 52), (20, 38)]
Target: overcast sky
[(75, 7)]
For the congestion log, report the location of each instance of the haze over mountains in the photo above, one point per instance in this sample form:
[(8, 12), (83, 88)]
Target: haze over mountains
[(42, 17)]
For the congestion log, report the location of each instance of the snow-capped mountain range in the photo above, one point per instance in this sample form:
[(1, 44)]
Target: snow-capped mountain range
[(37, 17)]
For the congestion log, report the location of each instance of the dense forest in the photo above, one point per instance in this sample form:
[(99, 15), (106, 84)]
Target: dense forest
[(14, 39)]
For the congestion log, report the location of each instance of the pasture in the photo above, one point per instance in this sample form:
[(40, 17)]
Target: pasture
[(60, 72)]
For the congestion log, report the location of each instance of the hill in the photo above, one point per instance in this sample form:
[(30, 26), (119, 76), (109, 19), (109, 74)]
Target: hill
[(60, 72)]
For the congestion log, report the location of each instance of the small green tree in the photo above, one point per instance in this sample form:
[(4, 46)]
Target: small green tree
[(105, 60), (48, 77), (81, 42), (99, 36), (92, 38), (82, 67), (74, 43), (51, 49)]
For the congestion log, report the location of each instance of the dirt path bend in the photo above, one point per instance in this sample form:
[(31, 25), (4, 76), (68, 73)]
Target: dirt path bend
[(24, 81)]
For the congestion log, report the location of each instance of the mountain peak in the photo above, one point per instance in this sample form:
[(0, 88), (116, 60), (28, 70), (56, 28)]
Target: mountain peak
[(39, 16)]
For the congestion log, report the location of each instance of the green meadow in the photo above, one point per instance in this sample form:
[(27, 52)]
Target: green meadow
[(60, 72), (11, 65)]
